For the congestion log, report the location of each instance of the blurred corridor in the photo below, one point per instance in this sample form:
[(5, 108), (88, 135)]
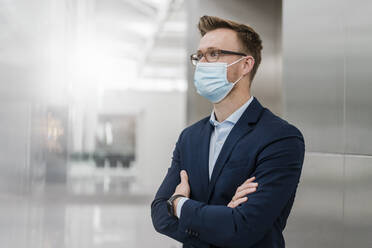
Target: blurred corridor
[(93, 95)]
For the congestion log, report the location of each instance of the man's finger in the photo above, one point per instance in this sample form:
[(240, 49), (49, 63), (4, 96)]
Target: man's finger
[(184, 177), (236, 203), (246, 186), (243, 193), (249, 180)]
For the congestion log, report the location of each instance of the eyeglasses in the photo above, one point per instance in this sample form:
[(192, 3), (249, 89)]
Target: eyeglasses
[(211, 55)]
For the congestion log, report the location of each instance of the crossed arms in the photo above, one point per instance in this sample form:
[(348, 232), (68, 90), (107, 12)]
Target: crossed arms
[(278, 170)]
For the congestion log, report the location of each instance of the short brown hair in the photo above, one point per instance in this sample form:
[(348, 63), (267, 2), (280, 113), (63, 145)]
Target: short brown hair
[(250, 40)]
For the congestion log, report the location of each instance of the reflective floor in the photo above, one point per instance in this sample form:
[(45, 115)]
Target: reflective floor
[(98, 207), (79, 222)]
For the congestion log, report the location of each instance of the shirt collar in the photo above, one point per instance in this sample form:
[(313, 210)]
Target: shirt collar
[(234, 117)]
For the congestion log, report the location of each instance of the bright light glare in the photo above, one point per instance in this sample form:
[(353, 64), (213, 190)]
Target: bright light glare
[(97, 65)]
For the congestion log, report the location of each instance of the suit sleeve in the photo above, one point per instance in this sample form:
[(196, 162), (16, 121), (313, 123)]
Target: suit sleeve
[(278, 170), (162, 222)]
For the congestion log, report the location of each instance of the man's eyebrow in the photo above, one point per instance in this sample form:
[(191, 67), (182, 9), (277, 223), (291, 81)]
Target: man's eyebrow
[(208, 48)]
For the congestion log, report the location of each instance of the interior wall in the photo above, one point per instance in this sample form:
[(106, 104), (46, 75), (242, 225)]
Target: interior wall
[(327, 86)]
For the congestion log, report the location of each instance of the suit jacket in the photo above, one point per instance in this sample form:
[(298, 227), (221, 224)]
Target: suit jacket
[(260, 144)]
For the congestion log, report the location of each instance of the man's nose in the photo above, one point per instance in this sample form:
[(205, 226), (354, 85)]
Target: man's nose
[(203, 59)]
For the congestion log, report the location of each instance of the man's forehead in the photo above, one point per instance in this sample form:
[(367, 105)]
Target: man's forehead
[(221, 38)]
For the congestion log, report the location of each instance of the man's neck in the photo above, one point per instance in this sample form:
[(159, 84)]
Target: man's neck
[(229, 105)]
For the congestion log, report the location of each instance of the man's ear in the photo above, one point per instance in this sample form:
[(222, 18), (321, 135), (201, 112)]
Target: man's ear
[(248, 65)]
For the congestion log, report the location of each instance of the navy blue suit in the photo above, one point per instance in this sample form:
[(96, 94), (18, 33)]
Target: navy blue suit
[(260, 144)]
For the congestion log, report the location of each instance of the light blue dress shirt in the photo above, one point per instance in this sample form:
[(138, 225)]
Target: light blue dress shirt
[(218, 137)]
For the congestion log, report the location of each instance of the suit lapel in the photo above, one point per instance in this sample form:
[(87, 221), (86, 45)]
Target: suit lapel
[(244, 125), (203, 147)]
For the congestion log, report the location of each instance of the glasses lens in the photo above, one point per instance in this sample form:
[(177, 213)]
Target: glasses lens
[(194, 59), (212, 55)]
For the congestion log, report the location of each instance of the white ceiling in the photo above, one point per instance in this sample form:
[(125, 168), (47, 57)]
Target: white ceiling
[(116, 43)]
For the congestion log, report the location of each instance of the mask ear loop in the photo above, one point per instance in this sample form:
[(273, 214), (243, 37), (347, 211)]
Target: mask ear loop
[(238, 80), (235, 63)]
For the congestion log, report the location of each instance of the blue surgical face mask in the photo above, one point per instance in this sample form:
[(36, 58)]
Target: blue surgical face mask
[(210, 80)]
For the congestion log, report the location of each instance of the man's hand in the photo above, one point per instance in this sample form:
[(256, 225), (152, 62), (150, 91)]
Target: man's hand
[(183, 188), (240, 195)]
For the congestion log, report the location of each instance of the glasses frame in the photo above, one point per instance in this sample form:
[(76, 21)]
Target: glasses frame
[(219, 51)]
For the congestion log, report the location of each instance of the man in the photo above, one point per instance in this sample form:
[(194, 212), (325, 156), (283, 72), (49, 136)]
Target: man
[(208, 197)]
